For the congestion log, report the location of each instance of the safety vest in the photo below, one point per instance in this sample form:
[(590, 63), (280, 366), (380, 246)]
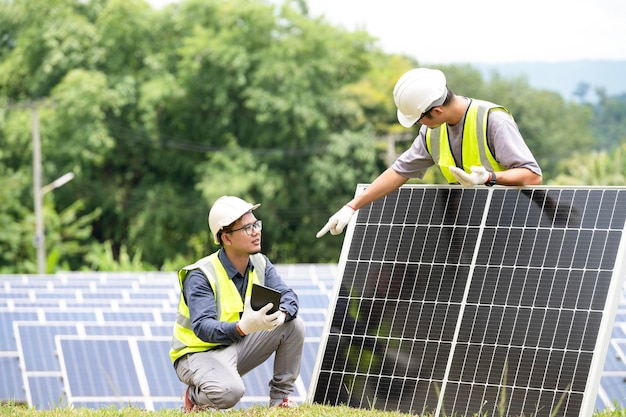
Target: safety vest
[(475, 147), (227, 301)]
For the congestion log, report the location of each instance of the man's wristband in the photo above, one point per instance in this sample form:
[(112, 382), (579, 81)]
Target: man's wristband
[(241, 333), (492, 179)]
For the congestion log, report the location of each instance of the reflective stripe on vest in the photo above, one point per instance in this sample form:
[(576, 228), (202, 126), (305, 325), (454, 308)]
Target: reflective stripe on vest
[(475, 145), (227, 301)]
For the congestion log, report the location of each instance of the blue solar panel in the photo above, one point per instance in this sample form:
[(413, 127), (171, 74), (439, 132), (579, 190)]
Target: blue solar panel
[(46, 392), (57, 295), (613, 387), (309, 354), (11, 385), (71, 315), (160, 319), (156, 362), (40, 363), (312, 300), (161, 330), (145, 316), (98, 368), (113, 320), (7, 341), (13, 296), (36, 345)]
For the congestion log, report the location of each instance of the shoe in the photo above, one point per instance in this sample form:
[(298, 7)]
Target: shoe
[(286, 403), (188, 405)]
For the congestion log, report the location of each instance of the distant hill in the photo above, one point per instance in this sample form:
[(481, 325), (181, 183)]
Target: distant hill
[(564, 77)]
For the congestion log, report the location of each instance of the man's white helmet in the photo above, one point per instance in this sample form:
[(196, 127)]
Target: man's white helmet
[(416, 92), (225, 211)]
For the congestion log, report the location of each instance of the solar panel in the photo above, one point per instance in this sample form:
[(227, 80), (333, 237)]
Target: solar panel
[(39, 357), (30, 358), (11, 387), (463, 301), (96, 366), (43, 386)]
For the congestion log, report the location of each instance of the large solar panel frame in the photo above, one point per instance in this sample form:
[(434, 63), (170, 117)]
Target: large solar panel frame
[(463, 301)]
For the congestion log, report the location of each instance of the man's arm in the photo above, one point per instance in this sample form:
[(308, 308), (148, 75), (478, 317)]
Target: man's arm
[(386, 183), (518, 176)]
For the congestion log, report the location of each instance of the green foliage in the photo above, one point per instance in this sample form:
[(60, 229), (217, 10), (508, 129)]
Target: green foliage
[(101, 257), (609, 121), (596, 168), (17, 225), (49, 40), (76, 125), (159, 112), (67, 230)]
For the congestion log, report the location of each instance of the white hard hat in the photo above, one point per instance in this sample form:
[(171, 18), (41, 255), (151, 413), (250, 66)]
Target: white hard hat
[(416, 92), (225, 211)]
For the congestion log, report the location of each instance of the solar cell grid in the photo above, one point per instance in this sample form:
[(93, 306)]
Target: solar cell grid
[(41, 377), (10, 378), (99, 367), (39, 357), (487, 300)]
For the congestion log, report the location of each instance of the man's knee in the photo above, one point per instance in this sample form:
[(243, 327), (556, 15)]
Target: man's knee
[(298, 333), (227, 396), (297, 328)]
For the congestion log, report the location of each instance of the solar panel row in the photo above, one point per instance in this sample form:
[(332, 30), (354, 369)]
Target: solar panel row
[(96, 340), (25, 305)]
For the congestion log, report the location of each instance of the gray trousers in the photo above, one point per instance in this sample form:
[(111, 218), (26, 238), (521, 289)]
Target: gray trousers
[(215, 375)]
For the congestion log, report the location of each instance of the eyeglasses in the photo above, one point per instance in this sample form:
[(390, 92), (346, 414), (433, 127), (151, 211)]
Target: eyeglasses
[(426, 113), (249, 228)]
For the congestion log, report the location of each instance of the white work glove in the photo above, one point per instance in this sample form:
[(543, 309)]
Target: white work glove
[(281, 319), (337, 222), (478, 176), (256, 320)]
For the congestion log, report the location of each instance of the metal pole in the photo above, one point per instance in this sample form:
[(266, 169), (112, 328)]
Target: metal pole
[(39, 242)]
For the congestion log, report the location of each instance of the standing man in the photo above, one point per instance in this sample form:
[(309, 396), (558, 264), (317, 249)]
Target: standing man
[(474, 142), (218, 337)]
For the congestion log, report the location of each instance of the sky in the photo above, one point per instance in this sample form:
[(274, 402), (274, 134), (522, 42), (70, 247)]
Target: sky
[(456, 31), (486, 31)]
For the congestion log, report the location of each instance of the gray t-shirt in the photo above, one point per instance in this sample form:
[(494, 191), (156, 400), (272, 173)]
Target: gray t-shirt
[(503, 136)]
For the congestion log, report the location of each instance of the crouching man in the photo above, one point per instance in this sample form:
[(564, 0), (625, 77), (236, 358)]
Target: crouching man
[(218, 337)]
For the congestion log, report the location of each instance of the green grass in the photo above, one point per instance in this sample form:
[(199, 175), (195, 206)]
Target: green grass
[(307, 410)]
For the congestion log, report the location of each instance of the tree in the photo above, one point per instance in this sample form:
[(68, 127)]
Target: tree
[(609, 121), (596, 168), (160, 112)]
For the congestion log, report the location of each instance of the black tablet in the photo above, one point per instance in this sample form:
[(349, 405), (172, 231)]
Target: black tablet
[(261, 295)]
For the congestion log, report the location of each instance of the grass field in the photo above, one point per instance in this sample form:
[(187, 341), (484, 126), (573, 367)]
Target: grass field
[(307, 410)]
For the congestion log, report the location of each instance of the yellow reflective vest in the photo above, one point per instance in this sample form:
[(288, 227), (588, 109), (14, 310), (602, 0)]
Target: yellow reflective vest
[(227, 301), (475, 146)]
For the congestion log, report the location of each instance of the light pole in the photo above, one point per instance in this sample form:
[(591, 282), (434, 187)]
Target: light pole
[(39, 192), (40, 240)]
